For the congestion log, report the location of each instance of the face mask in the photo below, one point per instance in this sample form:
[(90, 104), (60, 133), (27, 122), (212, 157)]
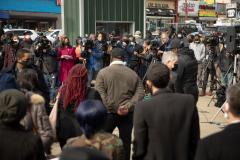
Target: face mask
[(26, 64), (143, 45), (100, 39), (179, 36), (175, 67), (16, 41), (197, 40), (28, 37), (66, 43), (164, 40)]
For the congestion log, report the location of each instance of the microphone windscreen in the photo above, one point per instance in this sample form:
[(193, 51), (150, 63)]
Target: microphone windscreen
[(84, 40)]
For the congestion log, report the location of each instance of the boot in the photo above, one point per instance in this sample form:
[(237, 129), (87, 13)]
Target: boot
[(202, 94), (210, 93)]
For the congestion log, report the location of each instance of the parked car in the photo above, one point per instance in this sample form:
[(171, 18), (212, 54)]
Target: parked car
[(52, 34), (211, 29), (172, 28), (20, 33), (205, 33)]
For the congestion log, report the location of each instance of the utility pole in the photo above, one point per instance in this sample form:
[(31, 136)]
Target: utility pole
[(186, 10)]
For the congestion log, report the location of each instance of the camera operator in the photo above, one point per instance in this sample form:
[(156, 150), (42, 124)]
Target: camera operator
[(187, 67), (94, 56), (224, 62), (106, 57), (49, 66), (199, 51), (125, 44), (209, 67), (27, 41), (165, 44), (182, 38), (135, 63)]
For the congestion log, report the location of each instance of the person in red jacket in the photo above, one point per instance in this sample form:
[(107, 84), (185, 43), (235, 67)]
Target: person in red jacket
[(67, 56)]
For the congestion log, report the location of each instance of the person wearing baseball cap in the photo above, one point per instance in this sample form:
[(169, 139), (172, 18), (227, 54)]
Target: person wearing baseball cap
[(187, 67), (201, 36), (27, 41), (120, 89)]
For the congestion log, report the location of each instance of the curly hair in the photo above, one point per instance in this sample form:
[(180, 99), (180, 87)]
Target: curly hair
[(75, 87)]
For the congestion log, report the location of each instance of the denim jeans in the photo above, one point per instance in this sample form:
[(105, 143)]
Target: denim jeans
[(228, 79), (50, 87), (90, 74)]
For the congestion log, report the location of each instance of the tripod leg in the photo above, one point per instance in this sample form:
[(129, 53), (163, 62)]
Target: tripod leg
[(211, 99), (217, 112)]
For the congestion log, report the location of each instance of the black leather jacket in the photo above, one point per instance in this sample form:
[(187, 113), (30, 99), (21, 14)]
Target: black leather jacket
[(147, 58)]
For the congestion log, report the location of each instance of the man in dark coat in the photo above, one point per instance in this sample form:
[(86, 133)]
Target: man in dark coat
[(24, 61), (136, 61), (170, 59), (27, 41), (187, 67), (166, 126), (225, 144)]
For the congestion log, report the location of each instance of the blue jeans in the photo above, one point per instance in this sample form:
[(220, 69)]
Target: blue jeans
[(90, 74), (50, 87), (228, 79)]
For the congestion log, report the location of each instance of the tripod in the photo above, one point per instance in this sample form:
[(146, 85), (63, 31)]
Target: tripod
[(154, 60), (234, 82)]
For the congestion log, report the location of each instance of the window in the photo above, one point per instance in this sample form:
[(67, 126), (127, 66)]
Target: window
[(19, 33), (193, 26), (55, 33)]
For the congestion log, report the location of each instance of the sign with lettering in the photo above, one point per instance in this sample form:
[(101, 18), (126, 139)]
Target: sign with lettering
[(210, 2), (231, 10), (192, 8), (206, 7), (59, 3), (158, 5), (207, 13)]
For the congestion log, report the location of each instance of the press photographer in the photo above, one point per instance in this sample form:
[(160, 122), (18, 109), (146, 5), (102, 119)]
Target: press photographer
[(212, 54), (92, 52), (48, 64)]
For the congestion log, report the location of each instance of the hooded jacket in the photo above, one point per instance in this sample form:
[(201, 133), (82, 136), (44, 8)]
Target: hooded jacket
[(42, 88), (138, 40), (36, 117), (128, 51), (187, 70)]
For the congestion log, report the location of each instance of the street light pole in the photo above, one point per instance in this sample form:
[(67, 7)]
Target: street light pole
[(185, 10)]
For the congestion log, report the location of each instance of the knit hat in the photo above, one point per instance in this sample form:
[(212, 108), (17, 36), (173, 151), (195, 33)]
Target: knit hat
[(125, 35), (117, 53), (13, 106), (7, 81), (176, 43), (137, 32), (83, 153)]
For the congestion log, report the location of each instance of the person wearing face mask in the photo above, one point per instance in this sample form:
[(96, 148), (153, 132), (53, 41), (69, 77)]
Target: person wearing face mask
[(27, 41), (125, 44), (190, 39), (10, 52), (165, 44), (106, 57), (23, 60), (187, 67), (199, 51), (67, 56), (170, 59), (182, 38)]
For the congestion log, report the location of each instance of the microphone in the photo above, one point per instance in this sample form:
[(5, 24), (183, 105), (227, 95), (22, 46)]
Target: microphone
[(84, 40)]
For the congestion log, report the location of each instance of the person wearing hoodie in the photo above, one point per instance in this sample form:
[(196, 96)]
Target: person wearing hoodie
[(187, 67), (125, 44), (138, 38), (27, 41), (182, 38)]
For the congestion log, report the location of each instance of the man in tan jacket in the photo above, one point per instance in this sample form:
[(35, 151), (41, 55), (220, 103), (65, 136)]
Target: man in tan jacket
[(120, 89)]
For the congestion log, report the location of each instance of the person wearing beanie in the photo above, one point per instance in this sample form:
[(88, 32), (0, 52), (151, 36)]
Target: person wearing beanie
[(125, 44), (138, 38), (7, 81), (16, 142)]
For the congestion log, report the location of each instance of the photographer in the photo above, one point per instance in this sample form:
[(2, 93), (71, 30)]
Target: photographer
[(11, 50), (49, 66), (135, 63), (125, 44), (93, 56), (106, 57), (224, 61)]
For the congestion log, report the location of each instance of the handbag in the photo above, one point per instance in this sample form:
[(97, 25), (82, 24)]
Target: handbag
[(53, 119)]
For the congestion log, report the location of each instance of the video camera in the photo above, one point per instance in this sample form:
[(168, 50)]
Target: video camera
[(212, 40), (88, 44), (154, 47), (42, 44), (113, 41), (9, 41)]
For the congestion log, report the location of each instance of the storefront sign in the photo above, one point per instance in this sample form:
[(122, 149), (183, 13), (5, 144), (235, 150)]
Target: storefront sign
[(207, 14), (231, 10), (192, 8), (59, 3), (210, 2), (204, 6), (158, 5)]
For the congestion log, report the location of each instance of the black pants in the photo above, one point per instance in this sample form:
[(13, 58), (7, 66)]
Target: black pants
[(125, 126), (205, 79)]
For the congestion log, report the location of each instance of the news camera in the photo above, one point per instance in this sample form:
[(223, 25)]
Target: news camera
[(212, 40), (113, 41), (154, 47), (42, 44), (10, 42), (88, 44)]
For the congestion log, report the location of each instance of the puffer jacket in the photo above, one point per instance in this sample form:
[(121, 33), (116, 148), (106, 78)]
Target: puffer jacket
[(38, 119), (188, 70)]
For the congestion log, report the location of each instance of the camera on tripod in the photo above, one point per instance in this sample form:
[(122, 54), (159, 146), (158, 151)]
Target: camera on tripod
[(113, 41), (43, 44), (212, 40)]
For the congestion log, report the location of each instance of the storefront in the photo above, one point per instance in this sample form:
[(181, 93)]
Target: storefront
[(32, 14), (158, 13), (81, 17), (192, 8), (221, 10), (207, 14)]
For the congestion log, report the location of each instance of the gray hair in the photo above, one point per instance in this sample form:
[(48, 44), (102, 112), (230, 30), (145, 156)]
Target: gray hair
[(233, 99), (168, 56)]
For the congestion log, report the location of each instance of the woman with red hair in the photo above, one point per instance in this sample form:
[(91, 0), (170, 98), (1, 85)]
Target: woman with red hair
[(72, 93)]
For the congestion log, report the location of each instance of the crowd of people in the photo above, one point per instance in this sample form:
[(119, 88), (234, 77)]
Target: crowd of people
[(153, 90)]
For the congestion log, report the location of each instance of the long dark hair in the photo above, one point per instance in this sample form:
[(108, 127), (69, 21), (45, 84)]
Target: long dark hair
[(30, 76), (103, 36), (19, 46), (62, 44)]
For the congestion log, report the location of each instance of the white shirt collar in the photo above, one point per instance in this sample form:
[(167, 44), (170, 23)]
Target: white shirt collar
[(118, 62), (234, 122)]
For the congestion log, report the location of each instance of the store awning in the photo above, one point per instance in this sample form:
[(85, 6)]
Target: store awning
[(207, 18), (29, 17), (4, 15), (160, 12)]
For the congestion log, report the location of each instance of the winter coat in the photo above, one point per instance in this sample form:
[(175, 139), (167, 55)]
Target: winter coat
[(138, 40), (50, 61), (26, 44), (214, 57), (147, 58), (185, 41), (66, 64), (37, 119), (128, 52), (188, 70), (106, 56), (42, 88), (199, 50), (10, 56), (224, 62), (97, 57)]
